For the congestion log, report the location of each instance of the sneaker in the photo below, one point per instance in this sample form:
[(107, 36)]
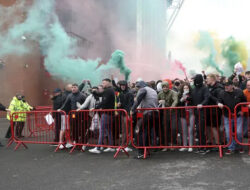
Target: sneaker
[(109, 150), (190, 150), (203, 152), (241, 151), (83, 148), (95, 151), (127, 149), (207, 150), (197, 151), (229, 152), (164, 150), (101, 148), (61, 147), (183, 149), (139, 156), (69, 145)]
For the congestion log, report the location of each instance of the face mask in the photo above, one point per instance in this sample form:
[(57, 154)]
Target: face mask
[(186, 91), (177, 83), (19, 98)]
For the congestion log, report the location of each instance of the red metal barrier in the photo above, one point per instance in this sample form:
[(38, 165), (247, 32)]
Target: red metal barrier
[(43, 108), (181, 127), (36, 127), (242, 127), (99, 128)]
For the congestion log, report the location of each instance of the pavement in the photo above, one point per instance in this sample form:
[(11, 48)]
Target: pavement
[(38, 167)]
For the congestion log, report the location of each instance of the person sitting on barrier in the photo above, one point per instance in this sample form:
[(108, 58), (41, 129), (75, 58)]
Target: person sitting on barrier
[(187, 116), (3, 108), (92, 102), (108, 102), (231, 97), (213, 115), (17, 104), (57, 100), (200, 97), (168, 98), (146, 98), (75, 118)]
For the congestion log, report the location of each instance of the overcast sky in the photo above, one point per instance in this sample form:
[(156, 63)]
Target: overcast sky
[(224, 17)]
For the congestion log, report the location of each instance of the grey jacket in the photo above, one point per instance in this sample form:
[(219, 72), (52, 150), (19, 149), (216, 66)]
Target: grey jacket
[(146, 98)]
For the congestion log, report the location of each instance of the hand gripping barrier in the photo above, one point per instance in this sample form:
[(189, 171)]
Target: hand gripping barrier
[(181, 127), (35, 127), (99, 128), (241, 128)]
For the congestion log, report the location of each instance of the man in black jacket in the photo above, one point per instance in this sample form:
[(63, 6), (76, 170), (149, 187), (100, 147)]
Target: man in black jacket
[(108, 102), (231, 97), (125, 101), (57, 104), (76, 118), (200, 96), (213, 115)]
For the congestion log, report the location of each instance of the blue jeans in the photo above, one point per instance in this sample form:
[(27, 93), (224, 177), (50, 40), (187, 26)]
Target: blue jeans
[(106, 123), (233, 144)]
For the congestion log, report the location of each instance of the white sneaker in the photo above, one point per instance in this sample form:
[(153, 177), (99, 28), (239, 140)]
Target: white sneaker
[(109, 150), (61, 147), (183, 149), (127, 149), (83, 148), (69, 145), (164, 150), (95, 151), (190, 150)]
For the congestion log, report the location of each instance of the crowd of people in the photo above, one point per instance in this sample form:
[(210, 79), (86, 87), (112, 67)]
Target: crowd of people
[(199, 91)]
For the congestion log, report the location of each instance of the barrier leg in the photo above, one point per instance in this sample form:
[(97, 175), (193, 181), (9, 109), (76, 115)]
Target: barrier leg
[(118, 150), (220, 152), (72, 150), (57, 148), (145, 152), (19, 144), (10, 141)]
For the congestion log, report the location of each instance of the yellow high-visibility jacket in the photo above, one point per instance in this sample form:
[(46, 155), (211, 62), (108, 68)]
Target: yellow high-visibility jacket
[(18, 106)]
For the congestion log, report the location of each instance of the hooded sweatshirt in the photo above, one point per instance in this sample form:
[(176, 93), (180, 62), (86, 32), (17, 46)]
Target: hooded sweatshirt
[(200, 93), (146, 97)]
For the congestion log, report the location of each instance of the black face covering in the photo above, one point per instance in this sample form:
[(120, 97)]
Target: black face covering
[(177, 83), (198, 80), (19, 97)]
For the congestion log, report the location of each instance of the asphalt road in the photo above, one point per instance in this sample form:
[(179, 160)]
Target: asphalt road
[(40, 168)]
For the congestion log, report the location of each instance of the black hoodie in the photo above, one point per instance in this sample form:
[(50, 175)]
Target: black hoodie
[(200, 94), (126, 97)]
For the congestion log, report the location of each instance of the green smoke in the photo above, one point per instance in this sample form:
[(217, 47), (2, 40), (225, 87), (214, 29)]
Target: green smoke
[(117, 60), (58, 48), (206, 42), (234, 51)]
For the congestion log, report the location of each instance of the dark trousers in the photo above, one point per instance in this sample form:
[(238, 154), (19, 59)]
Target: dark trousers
[(18, 128), (200, 126), (57, 118), (148, 126), (169, 124)]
